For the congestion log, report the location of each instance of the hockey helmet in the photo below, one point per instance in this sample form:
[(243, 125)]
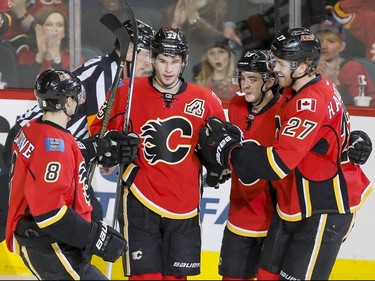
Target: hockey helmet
[(297, 45), (145, 34), (260, 61), (170, 41), (52, 87)]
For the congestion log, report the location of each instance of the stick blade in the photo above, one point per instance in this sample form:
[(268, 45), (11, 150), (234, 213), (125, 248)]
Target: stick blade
[(115, 25)]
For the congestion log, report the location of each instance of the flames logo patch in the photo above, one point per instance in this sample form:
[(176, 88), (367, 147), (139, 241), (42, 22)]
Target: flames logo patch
[(167, 140)]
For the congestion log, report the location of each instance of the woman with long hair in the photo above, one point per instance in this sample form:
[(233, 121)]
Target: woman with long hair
[(217, 68), (48, 46)]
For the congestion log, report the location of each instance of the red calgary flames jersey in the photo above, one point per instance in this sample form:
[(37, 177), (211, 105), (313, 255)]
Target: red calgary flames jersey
[(168, 171), (251, 206), (312, 135), (48, 176), (304, 163)]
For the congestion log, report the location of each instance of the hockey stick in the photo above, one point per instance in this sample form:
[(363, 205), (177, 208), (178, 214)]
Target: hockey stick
[(114, 24), (114, 27), (132, 18)]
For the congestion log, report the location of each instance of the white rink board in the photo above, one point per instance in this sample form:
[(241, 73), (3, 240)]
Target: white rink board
[(359, 244)]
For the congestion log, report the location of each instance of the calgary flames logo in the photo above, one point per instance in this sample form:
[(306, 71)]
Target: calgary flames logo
[(167, 140)]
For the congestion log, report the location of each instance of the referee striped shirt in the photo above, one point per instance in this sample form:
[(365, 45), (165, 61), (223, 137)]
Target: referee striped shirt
[(97, 75)]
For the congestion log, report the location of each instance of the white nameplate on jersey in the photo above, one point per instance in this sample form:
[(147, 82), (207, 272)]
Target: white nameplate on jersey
[(24, 145)]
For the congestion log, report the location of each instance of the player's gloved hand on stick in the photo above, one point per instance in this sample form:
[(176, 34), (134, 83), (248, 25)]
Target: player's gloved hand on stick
[(360, 147), (93, 147), (106, 242), (217, 141), (123, 150)]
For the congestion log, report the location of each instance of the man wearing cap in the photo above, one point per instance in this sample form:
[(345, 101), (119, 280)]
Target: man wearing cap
[(349, 74)]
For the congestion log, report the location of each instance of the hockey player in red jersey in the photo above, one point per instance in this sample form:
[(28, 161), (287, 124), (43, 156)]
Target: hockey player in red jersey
[(317, 195), (163, 187), (49, 219), (96, 75), (251, 203)]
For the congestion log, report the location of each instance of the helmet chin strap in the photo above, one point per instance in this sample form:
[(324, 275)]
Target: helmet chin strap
[(294, 79), (74, 113), (263, 94)]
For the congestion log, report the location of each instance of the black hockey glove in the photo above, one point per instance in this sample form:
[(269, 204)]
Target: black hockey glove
[(106, 242), (217, 141), (360, 147), (123, 150), (215, 173), (93, 147)]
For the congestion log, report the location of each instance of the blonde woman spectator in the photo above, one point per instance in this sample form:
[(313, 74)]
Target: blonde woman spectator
[(218, 67)]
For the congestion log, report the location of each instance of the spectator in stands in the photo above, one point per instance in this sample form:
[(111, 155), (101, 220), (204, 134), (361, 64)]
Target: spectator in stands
[(48, 46), (358, 18), (199, 21), (258, 30), (346, 73), (217, 68), (22, 14)]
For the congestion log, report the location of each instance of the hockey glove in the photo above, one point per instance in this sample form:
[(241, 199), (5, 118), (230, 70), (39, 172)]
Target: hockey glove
[(123, 150), (213, 170), (105, 242), (215, 173), (217, 141), (360, 147), (93, 147)]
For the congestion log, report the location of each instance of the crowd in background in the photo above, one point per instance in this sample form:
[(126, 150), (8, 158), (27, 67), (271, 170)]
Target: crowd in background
[(36, 33)]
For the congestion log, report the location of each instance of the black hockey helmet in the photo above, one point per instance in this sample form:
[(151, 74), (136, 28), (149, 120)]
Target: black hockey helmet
[(297, 45), (52, 87), (261, 61), (145, 34), (170, 41)]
